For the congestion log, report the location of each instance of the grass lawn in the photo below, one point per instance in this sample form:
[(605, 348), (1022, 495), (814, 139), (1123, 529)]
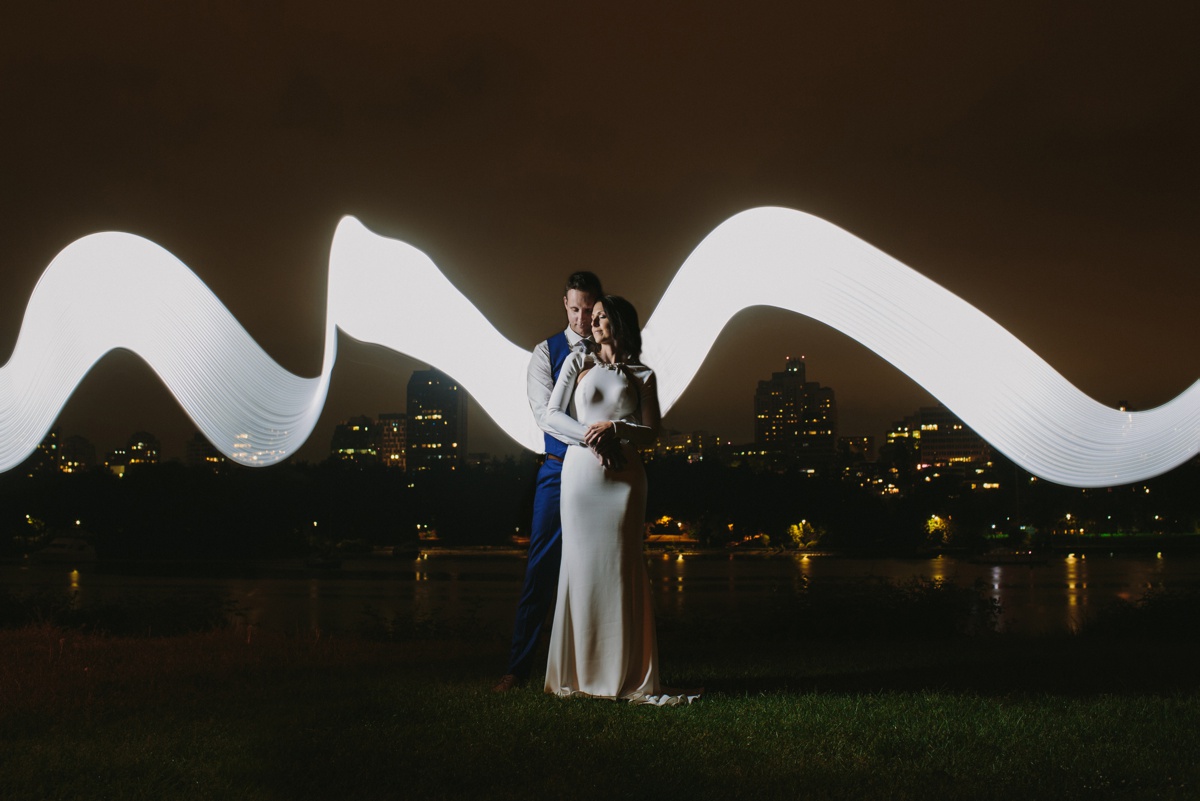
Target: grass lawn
[(224, 715)]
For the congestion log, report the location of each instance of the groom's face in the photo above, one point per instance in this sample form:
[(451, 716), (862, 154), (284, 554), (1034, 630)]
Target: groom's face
[(579, 311)]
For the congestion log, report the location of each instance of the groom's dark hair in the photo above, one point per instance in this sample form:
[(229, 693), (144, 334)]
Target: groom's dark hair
[(624, 321), (585, 282)]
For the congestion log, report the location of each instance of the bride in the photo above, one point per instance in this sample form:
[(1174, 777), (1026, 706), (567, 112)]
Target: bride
[(603, 642)]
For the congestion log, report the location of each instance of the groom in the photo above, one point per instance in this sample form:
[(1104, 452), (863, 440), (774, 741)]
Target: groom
[(545, 535)]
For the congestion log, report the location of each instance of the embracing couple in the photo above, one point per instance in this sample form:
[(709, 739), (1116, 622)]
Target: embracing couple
[(596, 403)]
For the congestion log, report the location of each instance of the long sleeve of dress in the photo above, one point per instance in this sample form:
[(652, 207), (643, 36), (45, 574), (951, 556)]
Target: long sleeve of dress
[(561, 424), (642, 427)]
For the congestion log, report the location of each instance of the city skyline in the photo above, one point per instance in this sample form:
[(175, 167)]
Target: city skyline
[(1036, 162), (387, 436)]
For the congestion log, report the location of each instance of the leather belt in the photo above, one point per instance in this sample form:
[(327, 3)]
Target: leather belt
[(555, 458)]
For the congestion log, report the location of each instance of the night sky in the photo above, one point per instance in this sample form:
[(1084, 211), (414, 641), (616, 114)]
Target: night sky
[(1038, 159)]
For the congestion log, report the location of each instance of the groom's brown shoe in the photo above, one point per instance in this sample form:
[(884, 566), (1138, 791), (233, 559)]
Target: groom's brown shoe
[(507, 682)]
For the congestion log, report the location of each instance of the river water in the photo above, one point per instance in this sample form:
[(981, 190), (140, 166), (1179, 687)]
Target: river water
[(445, 590)]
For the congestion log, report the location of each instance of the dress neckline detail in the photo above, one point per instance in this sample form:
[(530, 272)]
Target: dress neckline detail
[(607, 365)]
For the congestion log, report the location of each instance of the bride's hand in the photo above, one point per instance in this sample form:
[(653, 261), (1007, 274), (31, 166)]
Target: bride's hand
[(598, 434)]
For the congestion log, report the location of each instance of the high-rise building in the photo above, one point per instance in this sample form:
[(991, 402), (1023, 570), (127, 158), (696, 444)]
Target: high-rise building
[(199, 452), (46, 457), (936, 436), (356, 440), (392, 438), (853, 450), (142, 448), (116, 461), (796, 417), (436, 422), (77, 454), (690, 445)]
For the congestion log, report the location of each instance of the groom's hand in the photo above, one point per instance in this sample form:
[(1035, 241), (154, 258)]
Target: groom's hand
[(602, 439), (611, 456), (611, 459)]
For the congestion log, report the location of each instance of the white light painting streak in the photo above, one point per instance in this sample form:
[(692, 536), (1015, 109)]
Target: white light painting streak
[(94, 295)]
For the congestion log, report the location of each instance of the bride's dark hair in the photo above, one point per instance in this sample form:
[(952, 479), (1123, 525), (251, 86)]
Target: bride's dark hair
[(624, 321)]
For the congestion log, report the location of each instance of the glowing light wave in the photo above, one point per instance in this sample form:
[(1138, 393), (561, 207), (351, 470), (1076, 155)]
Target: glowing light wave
[(95, 295)]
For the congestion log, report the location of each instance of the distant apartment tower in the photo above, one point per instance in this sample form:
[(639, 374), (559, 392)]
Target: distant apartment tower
[(392, 439), (356, 440), (795, 416), (936, 436), (691, 446), (853, 450), (76, 455), (45, 458), (142, 448), (116, 461), (199, 452), (436, 422)]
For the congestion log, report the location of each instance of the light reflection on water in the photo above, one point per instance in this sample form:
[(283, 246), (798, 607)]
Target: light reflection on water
[(481, 591), (937, 568)]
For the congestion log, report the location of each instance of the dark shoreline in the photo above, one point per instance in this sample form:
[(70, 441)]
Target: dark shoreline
[(385, 559), (382, 563)]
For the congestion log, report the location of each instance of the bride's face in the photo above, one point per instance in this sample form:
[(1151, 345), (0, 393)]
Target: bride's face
[(601, 326)]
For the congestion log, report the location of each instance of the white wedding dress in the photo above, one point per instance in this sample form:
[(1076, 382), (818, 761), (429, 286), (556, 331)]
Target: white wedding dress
[(603, 642)]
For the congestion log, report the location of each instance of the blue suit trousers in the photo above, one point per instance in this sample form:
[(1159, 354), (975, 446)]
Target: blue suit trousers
[(541, 569)]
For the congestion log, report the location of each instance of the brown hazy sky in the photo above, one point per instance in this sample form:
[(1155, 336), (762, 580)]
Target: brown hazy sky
[(1038, 159)]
